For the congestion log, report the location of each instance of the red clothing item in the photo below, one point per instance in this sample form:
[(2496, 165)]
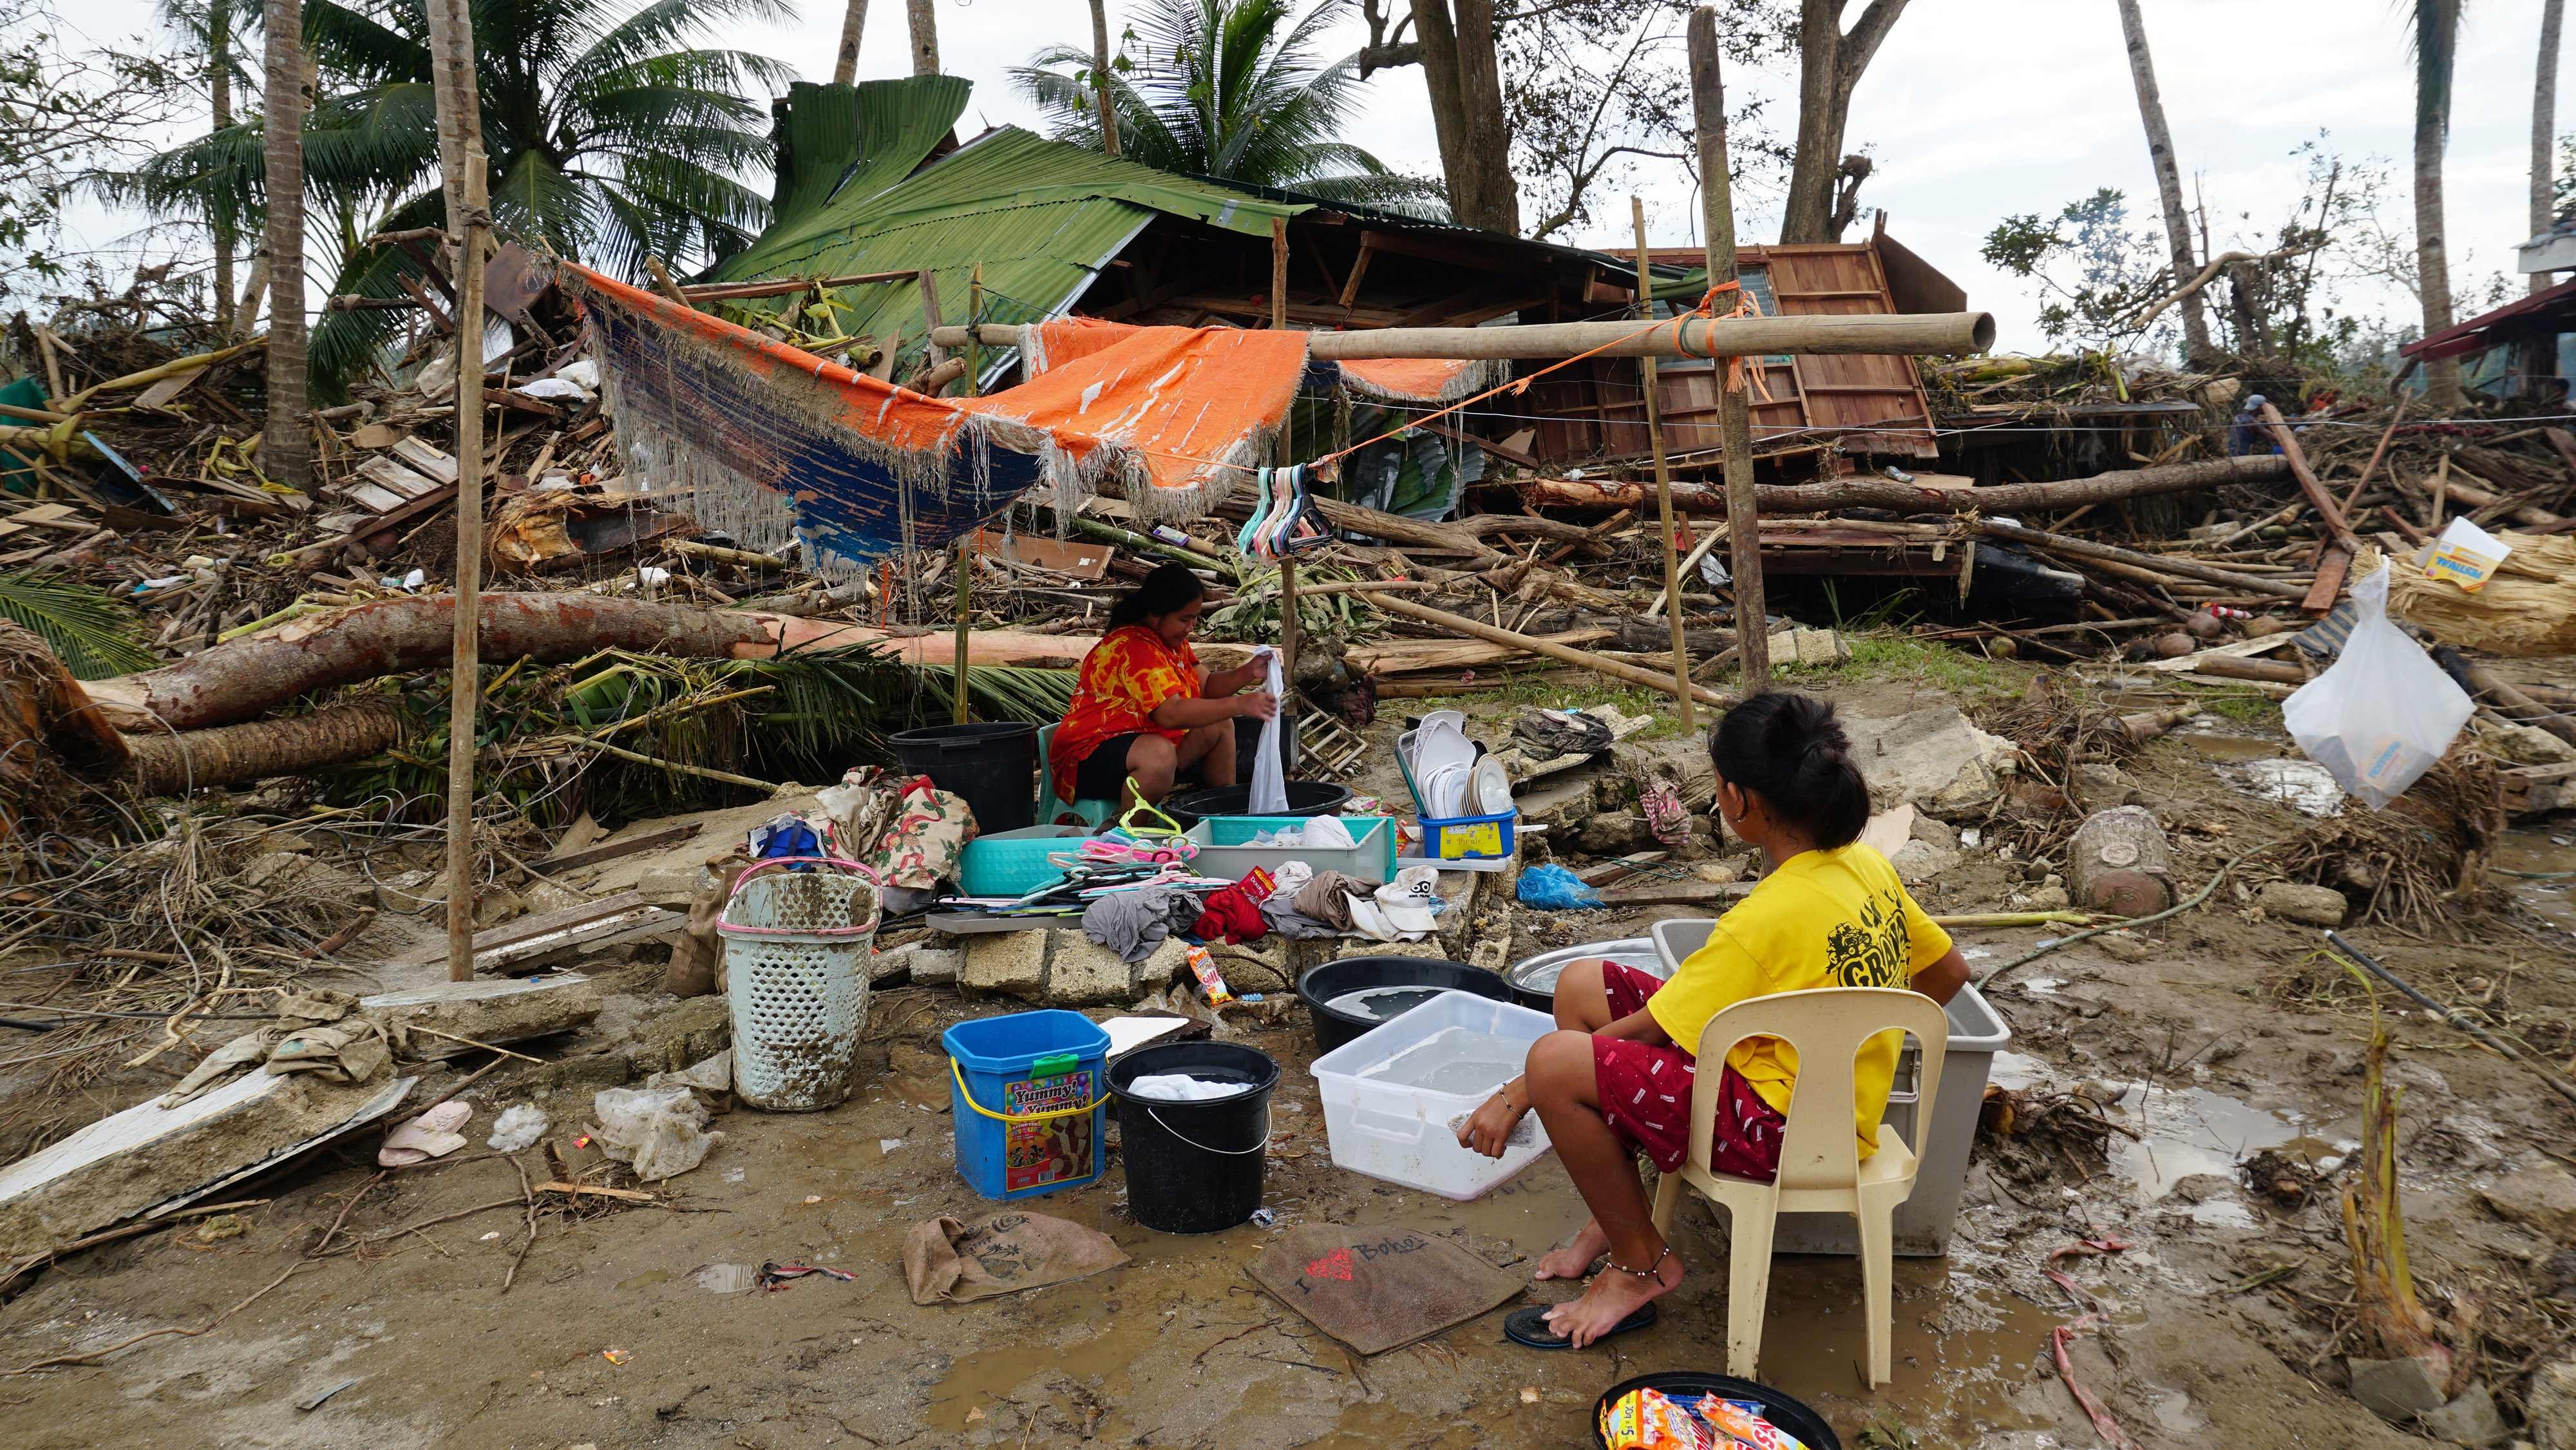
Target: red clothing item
[(1646, 1095), (1125, 678), (1234, 914)]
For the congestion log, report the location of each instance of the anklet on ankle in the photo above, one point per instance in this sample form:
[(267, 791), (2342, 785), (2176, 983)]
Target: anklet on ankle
[(1651, 1271)]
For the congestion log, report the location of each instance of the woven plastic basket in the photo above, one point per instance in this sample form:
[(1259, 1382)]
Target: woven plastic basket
[(798, 945)]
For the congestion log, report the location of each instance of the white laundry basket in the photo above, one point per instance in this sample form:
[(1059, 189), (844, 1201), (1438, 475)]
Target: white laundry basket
[(798, 945)]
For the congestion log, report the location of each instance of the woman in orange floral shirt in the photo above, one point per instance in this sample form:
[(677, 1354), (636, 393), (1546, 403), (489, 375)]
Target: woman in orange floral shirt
[(1146, 709)]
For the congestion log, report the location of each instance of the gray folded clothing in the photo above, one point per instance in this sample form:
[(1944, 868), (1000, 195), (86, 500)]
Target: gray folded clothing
[(1286, 920), (1133, 923)]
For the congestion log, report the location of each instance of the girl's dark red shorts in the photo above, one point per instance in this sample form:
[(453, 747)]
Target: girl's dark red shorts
[(1646, 1094)]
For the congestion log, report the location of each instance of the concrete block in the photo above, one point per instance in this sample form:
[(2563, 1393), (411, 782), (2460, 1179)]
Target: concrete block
[(1931, 758), (148, 1156), (2549, 1407), (2469, 1420), (693, 1030), (1080, 973), (486, 1010), (2396, 1390), (2542, 1199), (2296, 901), (1012, 963)]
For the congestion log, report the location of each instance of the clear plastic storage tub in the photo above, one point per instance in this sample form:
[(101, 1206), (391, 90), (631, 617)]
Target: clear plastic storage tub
[(1391, 1094)]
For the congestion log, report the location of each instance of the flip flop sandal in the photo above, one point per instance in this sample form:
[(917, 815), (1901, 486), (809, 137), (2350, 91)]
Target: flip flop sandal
[(1528, 1326)]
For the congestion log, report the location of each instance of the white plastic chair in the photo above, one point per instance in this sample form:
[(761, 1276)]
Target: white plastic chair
[(1821, 1170)]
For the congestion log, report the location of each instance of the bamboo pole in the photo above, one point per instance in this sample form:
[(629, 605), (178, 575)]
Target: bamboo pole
[(460, 139), (2164, 564), (1735, 417), (1663, 470), (1908, 334), (1615, 669), (966, 541), (1287, 562)]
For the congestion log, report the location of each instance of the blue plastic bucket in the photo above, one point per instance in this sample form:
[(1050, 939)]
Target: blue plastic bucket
[(1026, 1092)]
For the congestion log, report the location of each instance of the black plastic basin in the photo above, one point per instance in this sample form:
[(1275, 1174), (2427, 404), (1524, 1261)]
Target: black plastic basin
[(1321, 985)]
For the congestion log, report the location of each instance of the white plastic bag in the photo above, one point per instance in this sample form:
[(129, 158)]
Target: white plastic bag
[(2384, 712), (1269, 776), (661, 1131)]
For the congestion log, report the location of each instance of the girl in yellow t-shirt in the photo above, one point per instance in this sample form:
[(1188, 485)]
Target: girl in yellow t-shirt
[(1619, 1077)]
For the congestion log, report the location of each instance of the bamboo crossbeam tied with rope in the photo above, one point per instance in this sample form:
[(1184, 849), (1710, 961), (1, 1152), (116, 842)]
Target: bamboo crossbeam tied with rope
[(1913, 334)]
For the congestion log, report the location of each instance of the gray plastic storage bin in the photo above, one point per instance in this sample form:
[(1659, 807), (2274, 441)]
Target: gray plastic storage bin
[(1923, 1221)]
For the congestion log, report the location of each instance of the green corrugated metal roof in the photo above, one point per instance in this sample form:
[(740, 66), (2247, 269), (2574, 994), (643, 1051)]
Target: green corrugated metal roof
[(1040, 216)]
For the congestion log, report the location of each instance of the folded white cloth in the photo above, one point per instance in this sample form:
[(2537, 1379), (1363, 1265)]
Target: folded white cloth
[(1180, 1087)]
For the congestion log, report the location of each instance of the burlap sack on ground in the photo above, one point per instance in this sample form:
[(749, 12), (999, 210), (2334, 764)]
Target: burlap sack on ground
[(1377, 1289), (944, 1259)]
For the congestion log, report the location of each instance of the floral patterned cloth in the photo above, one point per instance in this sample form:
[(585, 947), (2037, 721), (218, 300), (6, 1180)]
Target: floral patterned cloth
[(1129, 674), (908, 831)]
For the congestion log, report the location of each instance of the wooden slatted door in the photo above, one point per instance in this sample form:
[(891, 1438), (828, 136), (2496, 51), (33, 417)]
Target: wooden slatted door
[(1874, 403)]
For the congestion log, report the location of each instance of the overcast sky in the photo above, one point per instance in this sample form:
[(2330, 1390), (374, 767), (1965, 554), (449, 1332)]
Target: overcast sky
[(1972, 110)]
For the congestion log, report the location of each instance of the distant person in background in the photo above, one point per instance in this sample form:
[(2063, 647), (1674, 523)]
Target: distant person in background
[(1145, 709)]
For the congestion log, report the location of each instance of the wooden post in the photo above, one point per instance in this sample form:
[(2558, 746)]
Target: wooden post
[(460, 147), (974, 377), (1287, 562), (1663, 473), (965, 541), (965, 574), (1717, 202), (930, 310)]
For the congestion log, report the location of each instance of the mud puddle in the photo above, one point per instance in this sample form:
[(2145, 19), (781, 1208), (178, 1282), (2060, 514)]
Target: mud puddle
[(2538, 866), (2188, 1130)]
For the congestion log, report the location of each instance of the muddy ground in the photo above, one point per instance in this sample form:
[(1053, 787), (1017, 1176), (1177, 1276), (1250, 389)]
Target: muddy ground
[(2220, 1036)]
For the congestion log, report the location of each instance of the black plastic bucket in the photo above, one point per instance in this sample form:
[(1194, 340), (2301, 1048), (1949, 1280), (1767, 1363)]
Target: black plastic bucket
[(1194, 1167), (1305, 798), (1779, 1409), (1321, 985), (994, 766)]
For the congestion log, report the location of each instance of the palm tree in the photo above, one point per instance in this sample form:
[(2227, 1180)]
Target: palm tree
[(608, 140), (2544, 128), (2434, 41), (215, 29), (1230, 89), (286, 450)]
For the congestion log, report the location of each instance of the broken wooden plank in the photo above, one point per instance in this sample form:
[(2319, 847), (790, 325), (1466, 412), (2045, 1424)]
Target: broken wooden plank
[(591, 923), (427, 459), (403, 482), (611, 850), (1679, 893)]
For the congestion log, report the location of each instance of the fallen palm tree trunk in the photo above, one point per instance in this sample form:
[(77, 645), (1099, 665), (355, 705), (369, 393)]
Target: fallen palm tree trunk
[(246, 678), (171, 763), (1887, 493)]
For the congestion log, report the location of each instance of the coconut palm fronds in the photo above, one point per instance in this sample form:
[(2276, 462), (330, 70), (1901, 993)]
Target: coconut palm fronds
[(87, 629)]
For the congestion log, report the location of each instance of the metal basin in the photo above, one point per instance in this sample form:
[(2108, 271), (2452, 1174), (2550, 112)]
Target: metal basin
[(1533, 979)]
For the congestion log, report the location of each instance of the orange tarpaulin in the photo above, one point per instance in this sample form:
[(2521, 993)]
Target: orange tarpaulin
[(1049, 345), (765, 442)]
